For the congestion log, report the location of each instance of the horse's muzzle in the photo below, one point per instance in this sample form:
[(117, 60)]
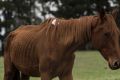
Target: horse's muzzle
[(115, 65)]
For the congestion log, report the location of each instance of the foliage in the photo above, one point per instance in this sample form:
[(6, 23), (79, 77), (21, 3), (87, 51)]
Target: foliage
[(76, 8), (19, 12), (15, 13)]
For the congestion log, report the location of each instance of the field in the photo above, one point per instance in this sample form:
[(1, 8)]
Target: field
[(89, 65)]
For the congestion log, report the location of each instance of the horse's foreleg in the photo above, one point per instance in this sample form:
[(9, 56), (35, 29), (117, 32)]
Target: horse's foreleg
[(66, 77), (24, 77), (67, 73), (45, 76)]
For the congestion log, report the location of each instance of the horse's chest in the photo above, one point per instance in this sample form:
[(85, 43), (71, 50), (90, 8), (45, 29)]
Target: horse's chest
[(63, 67)]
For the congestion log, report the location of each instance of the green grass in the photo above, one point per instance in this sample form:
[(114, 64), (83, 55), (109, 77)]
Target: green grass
[(89, 65)]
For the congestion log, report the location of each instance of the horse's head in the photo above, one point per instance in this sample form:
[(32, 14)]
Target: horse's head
[(105, 37)]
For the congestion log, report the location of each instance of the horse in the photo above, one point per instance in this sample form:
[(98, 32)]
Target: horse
[(47, 50)]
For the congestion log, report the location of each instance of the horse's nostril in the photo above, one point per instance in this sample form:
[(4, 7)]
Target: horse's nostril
[(116, 64)]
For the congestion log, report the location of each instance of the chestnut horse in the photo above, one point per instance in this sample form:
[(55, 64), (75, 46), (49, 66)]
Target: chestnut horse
[(47, 51)]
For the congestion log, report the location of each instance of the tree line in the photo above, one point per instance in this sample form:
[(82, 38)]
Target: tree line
[(14, 13)]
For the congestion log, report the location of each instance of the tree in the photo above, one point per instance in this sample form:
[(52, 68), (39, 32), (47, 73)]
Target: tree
[(74, 8), (18, 12), (15, 13)]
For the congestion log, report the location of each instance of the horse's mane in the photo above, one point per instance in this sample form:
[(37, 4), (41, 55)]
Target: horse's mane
[(65, 29), (75, 28), (47, 21)]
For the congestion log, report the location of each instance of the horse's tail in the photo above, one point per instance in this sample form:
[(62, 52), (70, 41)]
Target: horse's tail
[(7, 43)]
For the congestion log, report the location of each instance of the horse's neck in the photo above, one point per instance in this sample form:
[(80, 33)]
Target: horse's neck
[(69, 33), (79, 32)]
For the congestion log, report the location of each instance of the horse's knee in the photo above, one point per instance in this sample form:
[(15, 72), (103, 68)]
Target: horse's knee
[(46, 76), (66, 77)]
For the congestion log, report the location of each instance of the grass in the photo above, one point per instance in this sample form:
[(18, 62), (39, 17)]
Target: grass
[(89, 65)]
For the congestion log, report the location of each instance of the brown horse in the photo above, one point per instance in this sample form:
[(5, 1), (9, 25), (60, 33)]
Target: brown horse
[(46, 51)]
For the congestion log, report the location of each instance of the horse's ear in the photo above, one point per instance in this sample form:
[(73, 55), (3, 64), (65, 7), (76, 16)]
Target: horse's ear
[(101, 12), (115, 13)]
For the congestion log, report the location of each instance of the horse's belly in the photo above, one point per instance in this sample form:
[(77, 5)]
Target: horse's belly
[(26, 64), (31, 70)]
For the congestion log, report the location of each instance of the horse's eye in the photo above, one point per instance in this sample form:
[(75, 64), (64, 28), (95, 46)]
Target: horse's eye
[(107, 34)]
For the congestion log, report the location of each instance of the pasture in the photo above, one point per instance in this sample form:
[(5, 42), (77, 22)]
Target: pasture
[(89, 65)]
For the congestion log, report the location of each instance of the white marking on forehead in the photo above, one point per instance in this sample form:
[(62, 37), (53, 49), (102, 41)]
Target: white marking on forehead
[(54, 21)]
